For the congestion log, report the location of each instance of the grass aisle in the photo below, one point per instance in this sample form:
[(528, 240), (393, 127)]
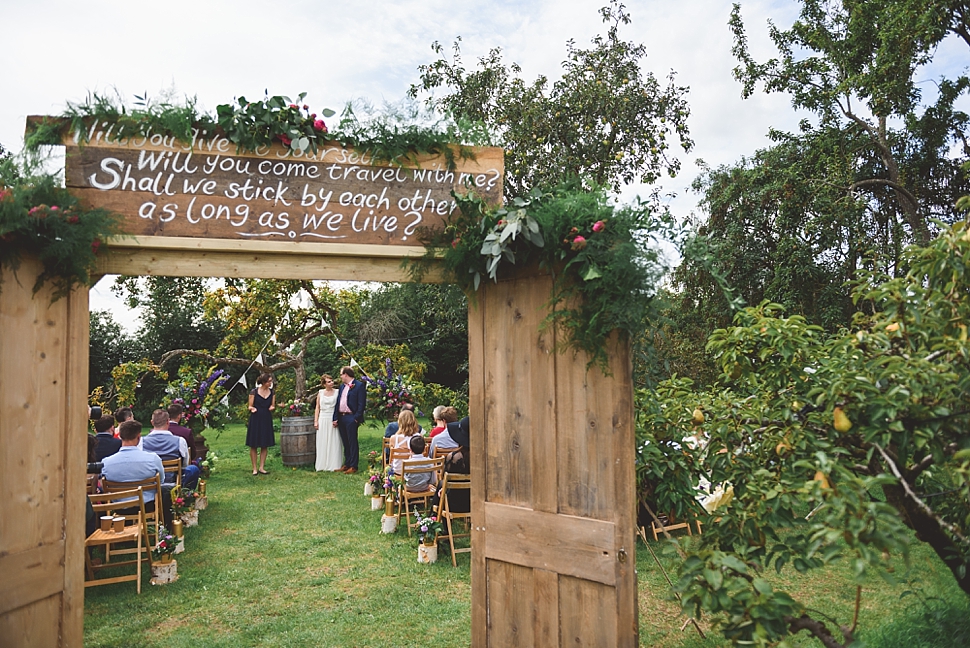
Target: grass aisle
[(295, 558)]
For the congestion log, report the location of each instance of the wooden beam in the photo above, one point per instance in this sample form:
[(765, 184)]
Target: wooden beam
[(564, 544), (184, 257)]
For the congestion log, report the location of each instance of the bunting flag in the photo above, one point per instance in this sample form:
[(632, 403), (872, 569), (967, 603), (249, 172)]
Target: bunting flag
[(272, 338), (225, 400), (259, 358), (338, 344), (242, 381), (353, 363), (326, 324)]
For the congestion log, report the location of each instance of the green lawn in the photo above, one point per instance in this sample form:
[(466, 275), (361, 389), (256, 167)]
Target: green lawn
[(295, 558)]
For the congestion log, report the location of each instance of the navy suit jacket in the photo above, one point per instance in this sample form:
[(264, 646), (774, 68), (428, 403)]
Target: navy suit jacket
[(356, 400)]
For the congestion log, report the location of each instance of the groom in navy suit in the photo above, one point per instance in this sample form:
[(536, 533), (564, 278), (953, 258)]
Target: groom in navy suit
[(348, 415)]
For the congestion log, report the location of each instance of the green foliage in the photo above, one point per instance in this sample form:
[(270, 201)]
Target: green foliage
[(40, 218), (604, 120), (173, 313), (774, 430), (854, 65), (599, 255), (431, 318), (110, 346), (396, 134), (429, 395), (372, 359), (256, 124)]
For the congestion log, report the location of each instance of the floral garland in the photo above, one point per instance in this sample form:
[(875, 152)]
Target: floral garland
[(388, 137), (39, 218), (603, 269)]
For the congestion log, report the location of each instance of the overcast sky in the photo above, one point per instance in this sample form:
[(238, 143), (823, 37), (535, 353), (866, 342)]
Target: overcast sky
[(56, 51)]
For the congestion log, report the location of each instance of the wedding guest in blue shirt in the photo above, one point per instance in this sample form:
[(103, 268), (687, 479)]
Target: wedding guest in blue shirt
[(130, 464)]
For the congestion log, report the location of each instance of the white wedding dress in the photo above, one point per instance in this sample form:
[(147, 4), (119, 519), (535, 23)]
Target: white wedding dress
[(330, 451)]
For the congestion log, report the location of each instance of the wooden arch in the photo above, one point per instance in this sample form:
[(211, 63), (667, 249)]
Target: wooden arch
[(553, 549)]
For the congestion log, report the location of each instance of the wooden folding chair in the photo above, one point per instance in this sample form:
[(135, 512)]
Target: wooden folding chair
[(174, 465), (385, 452), (398, 454), (153, 518), (119, 503), (92, 484), (454, 482), (405, 497)]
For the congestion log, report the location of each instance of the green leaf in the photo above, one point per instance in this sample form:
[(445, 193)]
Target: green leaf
[(591, 273)]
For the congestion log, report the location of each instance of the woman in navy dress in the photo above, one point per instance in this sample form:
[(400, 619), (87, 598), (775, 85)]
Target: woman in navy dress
[(262, 402)]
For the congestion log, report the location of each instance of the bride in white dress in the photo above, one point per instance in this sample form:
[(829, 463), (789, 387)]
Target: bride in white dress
[(330, 451)]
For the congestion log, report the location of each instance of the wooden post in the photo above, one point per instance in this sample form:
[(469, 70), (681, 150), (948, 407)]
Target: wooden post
[(43, 450), (553, 512)]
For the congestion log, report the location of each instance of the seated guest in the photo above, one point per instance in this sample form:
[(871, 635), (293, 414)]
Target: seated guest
[(459, 433), (418, 482), (168, 446), (439, 425), (407, 428), (130, 464), (121, 415), (107, 444), (391, 428), (444, 440), (175, 417)]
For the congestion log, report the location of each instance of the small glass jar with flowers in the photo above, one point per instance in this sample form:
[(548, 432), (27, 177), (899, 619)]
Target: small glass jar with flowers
[(183, 506), (165, 549)]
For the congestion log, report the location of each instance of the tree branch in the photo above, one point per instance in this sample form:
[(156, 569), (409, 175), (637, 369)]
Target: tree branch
[(815, 628), (920, 503), (887, 183)]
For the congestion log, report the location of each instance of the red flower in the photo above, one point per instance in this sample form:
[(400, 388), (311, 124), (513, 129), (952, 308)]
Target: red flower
[(455, 243), (54, 207), (95, 244), (579, 243), (598, 226), (73, 220), (294, 106), (286, 140), (320, 126)]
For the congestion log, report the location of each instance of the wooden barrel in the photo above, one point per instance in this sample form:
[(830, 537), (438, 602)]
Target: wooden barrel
[(298, 441)]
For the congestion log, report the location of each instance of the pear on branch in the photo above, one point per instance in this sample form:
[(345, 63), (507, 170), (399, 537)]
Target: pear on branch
[(842, 422)]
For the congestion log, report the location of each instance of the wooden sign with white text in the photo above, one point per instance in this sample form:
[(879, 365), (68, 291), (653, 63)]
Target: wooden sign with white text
[(163, 187)]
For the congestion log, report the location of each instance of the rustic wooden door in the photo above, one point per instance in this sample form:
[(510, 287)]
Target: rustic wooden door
[(43, 452), (553, 559)]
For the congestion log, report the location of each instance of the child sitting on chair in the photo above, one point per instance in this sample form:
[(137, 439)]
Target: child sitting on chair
[(417, 482)]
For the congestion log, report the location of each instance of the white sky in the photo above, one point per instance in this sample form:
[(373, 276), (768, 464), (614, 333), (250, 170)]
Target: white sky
[(53, 51)]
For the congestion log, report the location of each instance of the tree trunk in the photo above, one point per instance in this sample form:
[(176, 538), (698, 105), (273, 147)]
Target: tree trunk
[(928, 530), (299, 388)]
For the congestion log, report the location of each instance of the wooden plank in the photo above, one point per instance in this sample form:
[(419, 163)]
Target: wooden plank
[(542, 378), (547, 608), (187, 244), (31, 458), (479, 426), (279, 265), (216, 194), (31, 575), (33, 625), (622, 453), (75, 445), (564, 544), (511, 606), (588, 614), (501, 448)]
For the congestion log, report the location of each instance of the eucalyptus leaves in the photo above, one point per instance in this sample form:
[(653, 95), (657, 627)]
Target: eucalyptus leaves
[(596, 251)]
